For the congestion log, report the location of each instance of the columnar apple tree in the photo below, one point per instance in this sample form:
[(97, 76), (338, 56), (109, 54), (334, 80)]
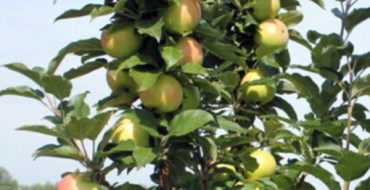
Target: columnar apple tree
[(198, 87)]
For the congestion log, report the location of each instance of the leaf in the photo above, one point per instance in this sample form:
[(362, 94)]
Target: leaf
[(56, 132), (144, 79), (364, 147), (65, 151), (132, 61), (361, 86), (85, 69), (209, 148), (352, 166), (79, 129), (297, 37), (224, 51), (334, 128), (291, 18), (35, 74), (327, 53), (152, 27), (76, 108), (101, 11), (171, 56), (320, 173), (123, 146), (99, 121), (57, 85), (188, 121), (228, 125), (84, 11), (23, 91), (193, 69), (364, 185), (88, 45), (286, 107), (319, 3), (143, 156), (355, 17), (230, 79)]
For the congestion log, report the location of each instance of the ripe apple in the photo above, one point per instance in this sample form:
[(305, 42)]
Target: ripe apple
[(126, 129), (257, 93), (121, 40), (123, 86), (182, 16), (222, 176), (191, 98), (191, 51), (266, 165), (272, 34), (165, 95), (265, 9), (76, 182)]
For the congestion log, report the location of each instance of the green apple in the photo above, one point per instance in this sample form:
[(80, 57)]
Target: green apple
[(257, 93), (272, 34), (126, 129), (266, 165), (121, 40), (123, 86), (76, 182), (165, 95), (222, 176), (191, 98), (182, 16), (265, 9), (191, 51)]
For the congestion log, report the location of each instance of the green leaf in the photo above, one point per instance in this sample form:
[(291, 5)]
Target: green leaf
[(143, 156), (76, 108), (80, 128), (334, 128), (364, 185), (224, 51), (230, 79), (56, 132), (88, 45), (292, 17), (297, 37), (35, 74), (152, 27), (286, 107), (327, 53), (65, 151), (193, 69), (101, 11), (364, 147), (319, 3), (171, 56), (123, 146), (206, 30), (85, 69), (228, 125), (23, 91), (120, 5), (132, 61), (99, 121), (361, 86), (188, 121), (355, 17), (57, 86), (352, 166), (144, 119), (320, 173), (94, 9), (209, 148), (144, 79)]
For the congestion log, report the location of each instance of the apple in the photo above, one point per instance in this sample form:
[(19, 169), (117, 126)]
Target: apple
[(123, 86), (182, 16), (126, 129), (272, 34), (266, 165), (191, 98), (265, 9), (191, 51), (121, 40), (257, 93), (76, 182), (165, 95), (222, 176)]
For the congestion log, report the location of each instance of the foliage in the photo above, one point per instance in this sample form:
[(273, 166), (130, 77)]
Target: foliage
[(187, 145)]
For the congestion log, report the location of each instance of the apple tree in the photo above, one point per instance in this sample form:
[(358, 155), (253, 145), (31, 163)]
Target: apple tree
[(202, 91)]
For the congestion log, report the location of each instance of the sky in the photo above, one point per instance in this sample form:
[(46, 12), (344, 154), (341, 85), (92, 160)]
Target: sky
[(30, 35)]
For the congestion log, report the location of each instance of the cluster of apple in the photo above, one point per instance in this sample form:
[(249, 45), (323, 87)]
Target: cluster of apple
[(121, 40), (272, 35)]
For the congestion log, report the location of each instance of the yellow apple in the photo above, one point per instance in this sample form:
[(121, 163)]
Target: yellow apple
[(164, 96), (266, 165), (123, 86), (191, 51), (191, 98), (76, 182), (222, 176), (257, 93), (265, 9), (121, 40), (126, 129), (272, 34), (182, 16)]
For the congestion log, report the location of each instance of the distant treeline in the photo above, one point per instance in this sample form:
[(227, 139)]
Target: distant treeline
[(8, 183)]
